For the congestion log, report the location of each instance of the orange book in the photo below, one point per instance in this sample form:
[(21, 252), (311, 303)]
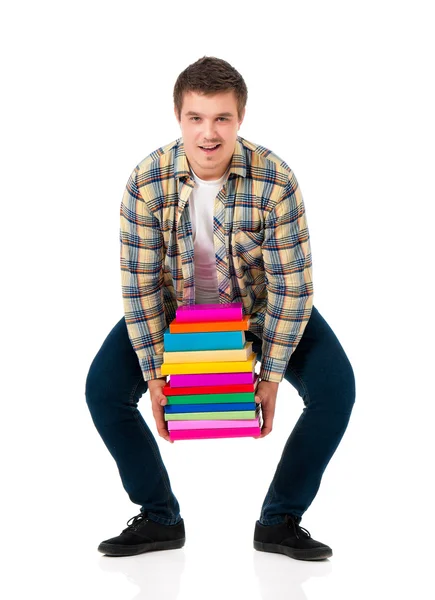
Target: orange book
[(242, 325)]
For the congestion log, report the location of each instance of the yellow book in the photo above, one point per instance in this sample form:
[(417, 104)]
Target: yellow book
[(244, 366), (208, 355)]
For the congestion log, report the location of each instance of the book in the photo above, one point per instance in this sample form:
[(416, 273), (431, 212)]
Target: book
[(206, 416), (238, 388), (195, 313), (202, 434), (209, 326), (211, 398), (202, 379), (212, 340), (173, 425), (236, 366), (228, 407), (195, 356)]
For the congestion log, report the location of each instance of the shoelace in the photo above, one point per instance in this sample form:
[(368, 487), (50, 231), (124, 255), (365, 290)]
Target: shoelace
[(296, 527), (136, 521)]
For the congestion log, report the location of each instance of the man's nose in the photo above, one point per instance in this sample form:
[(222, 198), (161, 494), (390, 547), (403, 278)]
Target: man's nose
[(209, 131)]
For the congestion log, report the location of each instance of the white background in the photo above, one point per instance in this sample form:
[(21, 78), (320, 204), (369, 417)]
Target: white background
[(344, 93)]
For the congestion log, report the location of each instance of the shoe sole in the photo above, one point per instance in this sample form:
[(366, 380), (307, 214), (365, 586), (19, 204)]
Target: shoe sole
[(117, 550), (297, 553)]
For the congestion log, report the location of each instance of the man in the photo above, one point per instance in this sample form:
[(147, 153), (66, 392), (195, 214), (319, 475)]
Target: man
[(214, 218)]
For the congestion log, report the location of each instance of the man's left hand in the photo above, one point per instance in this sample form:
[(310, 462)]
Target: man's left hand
[(266, 394)]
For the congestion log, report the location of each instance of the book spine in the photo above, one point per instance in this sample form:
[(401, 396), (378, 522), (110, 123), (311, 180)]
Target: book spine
[(211, 389), (242, 414), (227, 407), (208, 314), (217, 340), (173, 425), (210, 326), (195, 356), (203, 434), (211, 379), (209, 367), (211, 398)]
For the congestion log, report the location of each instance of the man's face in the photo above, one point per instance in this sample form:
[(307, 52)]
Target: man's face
[(207, 121)]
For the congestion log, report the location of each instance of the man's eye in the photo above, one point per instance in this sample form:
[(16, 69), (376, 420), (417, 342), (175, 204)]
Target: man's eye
[(223, 118)]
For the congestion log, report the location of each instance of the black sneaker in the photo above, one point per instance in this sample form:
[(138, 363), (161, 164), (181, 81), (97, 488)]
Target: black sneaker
[(144, 535), (291, 539)]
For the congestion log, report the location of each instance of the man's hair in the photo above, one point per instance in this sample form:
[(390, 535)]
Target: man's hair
[(210, 75)]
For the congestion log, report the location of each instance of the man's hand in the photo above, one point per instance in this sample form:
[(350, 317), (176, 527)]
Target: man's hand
[(266, 394), (158, 401)]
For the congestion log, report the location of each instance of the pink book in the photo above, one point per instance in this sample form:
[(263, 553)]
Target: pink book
[(211, 379), (200, 313), (210, 424), (202, 434)]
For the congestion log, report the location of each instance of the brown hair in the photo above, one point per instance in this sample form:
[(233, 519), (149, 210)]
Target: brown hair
[(210, 75)]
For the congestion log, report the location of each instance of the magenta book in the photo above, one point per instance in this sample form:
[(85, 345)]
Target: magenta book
[(211, 379), (200, 313), (202, 434)]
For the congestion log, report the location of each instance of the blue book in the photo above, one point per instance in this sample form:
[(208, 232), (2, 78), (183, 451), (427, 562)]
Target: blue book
[(210, 340), (187, 408)]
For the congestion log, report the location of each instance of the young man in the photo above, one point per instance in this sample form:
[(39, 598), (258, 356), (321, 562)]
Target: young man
[(209, 218)]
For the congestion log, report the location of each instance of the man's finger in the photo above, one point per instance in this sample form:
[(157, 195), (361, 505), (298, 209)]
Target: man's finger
[(164, 433), (268, 414), (158, 412), (267, 423), (162, 428), (265, 431)]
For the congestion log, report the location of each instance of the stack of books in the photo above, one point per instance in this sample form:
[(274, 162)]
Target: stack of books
[(211, 388)]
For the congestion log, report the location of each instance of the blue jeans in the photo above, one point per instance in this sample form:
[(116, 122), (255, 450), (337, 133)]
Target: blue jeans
[(319, 370)]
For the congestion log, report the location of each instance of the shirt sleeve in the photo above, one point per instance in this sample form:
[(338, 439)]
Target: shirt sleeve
[(288, 272), (142, 279)]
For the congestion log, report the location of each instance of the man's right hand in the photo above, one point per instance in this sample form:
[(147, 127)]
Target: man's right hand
[(158, 401)]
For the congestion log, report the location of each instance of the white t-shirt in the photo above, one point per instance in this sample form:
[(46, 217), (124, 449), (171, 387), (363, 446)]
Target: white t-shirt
[(201, 201)]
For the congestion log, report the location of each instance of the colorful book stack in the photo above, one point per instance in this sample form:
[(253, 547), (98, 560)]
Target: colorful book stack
[(212, 379)]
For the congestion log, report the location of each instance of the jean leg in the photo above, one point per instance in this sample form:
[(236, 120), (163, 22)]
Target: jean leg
[(323, 376), (114, 386)]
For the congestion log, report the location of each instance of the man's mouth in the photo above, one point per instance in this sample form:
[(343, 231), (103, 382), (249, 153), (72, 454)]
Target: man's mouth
[(210, 149)]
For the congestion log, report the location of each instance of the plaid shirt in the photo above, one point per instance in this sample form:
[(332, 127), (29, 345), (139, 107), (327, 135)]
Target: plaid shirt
[(261, 239)]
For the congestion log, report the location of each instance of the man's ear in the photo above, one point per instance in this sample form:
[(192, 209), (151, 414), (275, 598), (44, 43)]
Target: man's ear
[(176, 114)]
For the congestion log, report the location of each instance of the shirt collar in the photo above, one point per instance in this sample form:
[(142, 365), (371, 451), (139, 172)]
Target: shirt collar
[(238, 164)]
